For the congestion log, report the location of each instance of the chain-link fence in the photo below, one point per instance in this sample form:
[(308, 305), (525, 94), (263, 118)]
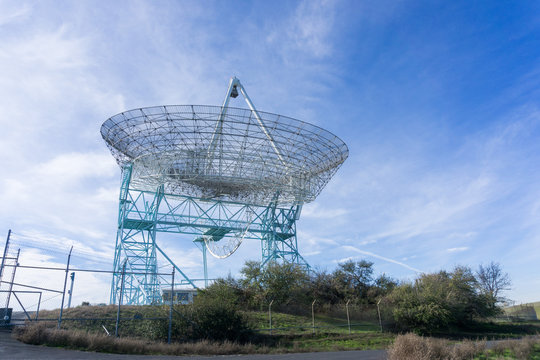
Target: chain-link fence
[(40, 276)]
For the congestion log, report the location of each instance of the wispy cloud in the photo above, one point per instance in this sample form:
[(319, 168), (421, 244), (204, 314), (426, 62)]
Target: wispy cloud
[(457, 249), (13, 12), (311, 25), (317, 211), (368, 253)]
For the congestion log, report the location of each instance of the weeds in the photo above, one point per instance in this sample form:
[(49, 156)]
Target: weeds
[(41, 334), (520, 349), (414, 347)]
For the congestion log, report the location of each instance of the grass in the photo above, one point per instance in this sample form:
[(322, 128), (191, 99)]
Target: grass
[(134, 319), (524, 310), (297, 324), (41, 334), (492, 330), (414, 347), (47, 334)]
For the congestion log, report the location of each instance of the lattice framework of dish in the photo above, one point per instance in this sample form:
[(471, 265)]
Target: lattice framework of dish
[(239, 155)]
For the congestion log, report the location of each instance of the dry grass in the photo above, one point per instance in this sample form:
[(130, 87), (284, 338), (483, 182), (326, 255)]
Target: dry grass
[(414, 347), (521, 349), (467, 349), (39, 333)]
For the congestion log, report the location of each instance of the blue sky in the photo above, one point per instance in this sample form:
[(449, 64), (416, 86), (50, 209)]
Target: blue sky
[(438, 102)]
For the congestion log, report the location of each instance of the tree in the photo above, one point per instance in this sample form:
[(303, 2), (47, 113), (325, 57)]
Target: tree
[(353, 279), (492, 281), (323, 288), (439, 300), (279, 282)]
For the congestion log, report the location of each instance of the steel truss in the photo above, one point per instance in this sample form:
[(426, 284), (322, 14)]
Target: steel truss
[(143, 214)]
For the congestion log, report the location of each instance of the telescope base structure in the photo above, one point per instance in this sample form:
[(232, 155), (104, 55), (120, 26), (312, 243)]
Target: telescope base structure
[(142, 214)]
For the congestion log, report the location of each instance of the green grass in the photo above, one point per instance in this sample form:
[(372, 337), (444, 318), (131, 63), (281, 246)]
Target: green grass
[(334, 342), (134, 319), (287, 324), (508, 354), (516, 310)]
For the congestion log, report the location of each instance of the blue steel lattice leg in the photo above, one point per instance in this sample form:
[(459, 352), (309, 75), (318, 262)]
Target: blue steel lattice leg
[(136, 244), (117, 267), (279, 240)]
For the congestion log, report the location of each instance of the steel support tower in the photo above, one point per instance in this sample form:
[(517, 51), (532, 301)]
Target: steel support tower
[(143, 214)]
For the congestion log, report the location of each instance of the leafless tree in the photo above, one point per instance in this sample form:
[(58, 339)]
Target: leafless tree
[(492, 280)]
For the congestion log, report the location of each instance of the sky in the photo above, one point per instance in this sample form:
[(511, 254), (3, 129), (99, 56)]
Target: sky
[(438, 102)]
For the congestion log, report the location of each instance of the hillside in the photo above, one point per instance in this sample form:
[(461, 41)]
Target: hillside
[(530, 311)]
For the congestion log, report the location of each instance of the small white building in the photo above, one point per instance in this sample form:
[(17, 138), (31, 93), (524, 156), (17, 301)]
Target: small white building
[(181, 296)]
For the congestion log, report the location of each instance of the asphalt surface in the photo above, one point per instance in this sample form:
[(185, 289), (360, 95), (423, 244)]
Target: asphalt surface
[(13, 349)]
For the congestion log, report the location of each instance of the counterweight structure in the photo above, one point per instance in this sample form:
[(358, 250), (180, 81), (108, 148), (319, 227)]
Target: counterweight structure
[(216, 174)]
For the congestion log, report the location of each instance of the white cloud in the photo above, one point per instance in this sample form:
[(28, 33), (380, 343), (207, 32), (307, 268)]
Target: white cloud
[(311, 26), (306, 31), (457, 249), (317, 211), (71, 168)]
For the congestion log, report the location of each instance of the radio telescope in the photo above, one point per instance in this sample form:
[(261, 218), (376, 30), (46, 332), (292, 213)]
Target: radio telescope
[(217, 173)]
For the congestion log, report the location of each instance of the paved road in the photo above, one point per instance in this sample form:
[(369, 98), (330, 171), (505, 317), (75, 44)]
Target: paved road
[(13, 349)]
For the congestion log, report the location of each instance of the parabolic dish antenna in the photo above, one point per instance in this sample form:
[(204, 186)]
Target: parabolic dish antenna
[(220, 152)]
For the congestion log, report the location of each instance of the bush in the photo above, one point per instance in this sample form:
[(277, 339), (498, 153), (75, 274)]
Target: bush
[(208, 318), (414, 347), (440, 300)]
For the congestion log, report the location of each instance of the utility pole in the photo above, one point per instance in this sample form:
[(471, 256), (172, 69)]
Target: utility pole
[(64, 292), (171, 308), (70, 292), (120, 298), (6, 316)]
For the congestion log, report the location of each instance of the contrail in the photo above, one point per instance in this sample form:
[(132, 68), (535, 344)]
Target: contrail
[(352, 248)]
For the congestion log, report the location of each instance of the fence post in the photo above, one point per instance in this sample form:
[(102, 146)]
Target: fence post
[(379, 312), (171, 308), (64, 292), (38, 305), (270, 315), (348, 318), (120, 299), (313, 315)]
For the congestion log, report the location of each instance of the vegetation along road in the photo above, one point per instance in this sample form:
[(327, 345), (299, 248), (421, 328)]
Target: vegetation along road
[(13, 349)]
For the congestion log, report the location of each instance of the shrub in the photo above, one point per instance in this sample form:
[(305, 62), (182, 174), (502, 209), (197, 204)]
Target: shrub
[(414, 347), (209, 318), (439, 300)]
